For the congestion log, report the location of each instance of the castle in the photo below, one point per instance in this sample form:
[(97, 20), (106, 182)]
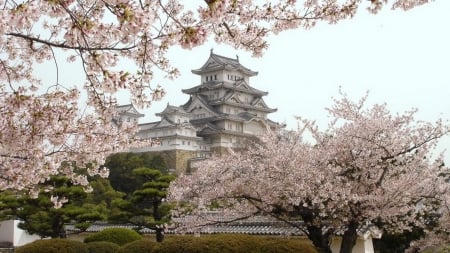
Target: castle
[(222, 112)]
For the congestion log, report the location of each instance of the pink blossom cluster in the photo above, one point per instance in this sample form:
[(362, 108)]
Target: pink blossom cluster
[(47, 135), (368, 167)]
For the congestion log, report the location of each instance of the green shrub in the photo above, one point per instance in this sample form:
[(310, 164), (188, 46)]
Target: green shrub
[(239, 243), (232, 243), (443, 249), (185, 244), (53, 246), (276, 245), (119, 236), (102, 247), (140, 246)]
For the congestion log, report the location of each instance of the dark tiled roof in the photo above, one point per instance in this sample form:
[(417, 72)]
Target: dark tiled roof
[(128, 109), (222, 62), (216, 85), (242, 228), (257, 225)]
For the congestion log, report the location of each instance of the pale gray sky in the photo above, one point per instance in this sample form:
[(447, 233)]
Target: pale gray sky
[(401, 58)]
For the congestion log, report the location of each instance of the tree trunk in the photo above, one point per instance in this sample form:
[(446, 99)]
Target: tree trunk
[(157, 217), (321, 241), (58, 230), (159, 235), (349, 238)]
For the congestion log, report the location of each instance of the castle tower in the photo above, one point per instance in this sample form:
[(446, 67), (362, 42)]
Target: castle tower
[(224, 108), (222, 112)]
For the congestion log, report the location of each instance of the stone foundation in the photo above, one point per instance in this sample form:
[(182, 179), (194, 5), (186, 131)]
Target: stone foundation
[(176, 160)]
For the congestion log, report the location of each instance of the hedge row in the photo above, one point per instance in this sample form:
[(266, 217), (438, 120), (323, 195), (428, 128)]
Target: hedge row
[(443, 249), (227, 243)]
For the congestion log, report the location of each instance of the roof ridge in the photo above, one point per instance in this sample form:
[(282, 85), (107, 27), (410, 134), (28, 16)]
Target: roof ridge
[(225, 57)]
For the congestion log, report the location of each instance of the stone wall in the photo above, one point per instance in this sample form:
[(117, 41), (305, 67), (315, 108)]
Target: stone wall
[(177, 160), (6, 250)]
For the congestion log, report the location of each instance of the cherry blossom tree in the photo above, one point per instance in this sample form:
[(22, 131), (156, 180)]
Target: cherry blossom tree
[(44, 124), (368, 167)]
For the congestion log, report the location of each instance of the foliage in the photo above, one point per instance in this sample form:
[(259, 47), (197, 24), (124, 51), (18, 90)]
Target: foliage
[(442, 249), (53, 246), (119, 236), (140, 246), (41, 216), (147, 207), (104, 197), (121, 166), (397, 243), (230, 243), (9, 204), (368, 167), (102, 247)]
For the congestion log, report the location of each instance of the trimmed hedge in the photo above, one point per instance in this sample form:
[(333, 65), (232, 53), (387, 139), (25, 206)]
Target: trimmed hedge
[(53, 246), (443, 249), (223, 243), (119, 236), (102, 247), (140, 246), (272, 245)]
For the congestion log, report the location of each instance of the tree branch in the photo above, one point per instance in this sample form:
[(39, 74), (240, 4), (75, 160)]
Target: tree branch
[(64, 46)]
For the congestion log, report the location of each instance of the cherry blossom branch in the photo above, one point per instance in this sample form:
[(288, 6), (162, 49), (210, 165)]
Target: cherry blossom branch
[(65, 46)]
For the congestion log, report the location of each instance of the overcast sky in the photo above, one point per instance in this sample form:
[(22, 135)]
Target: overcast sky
[(401, 58)]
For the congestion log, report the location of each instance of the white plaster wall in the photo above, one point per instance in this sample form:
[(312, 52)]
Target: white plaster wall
[(9, 232), (361, 246), (253, 128)]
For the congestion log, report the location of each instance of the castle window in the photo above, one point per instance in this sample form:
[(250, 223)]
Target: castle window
[(183, 142), (207, 78), (215, 77)]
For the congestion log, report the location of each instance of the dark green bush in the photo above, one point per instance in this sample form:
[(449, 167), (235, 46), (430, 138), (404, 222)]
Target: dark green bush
[(240, 243), (443, 249), (119, 236), (53, 246), (274, 245), (140, 246), (185, 244), (102, 247), (232, 243)]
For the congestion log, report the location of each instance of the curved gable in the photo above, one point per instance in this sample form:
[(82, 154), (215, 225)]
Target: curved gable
[(197, 107)]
